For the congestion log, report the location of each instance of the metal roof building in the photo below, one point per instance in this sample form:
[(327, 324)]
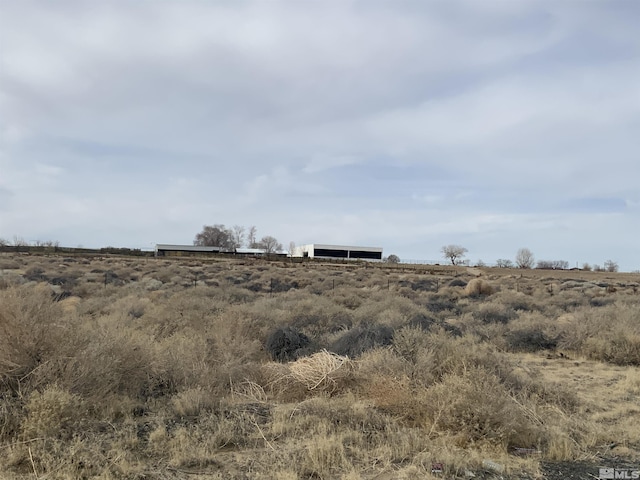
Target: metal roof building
[(338, 252), (163, 250), (250, 251)]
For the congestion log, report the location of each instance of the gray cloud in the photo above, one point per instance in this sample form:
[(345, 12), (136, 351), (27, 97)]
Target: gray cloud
[(405, 124)]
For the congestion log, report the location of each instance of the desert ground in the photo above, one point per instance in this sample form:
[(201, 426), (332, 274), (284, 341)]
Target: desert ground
[(117, 367)]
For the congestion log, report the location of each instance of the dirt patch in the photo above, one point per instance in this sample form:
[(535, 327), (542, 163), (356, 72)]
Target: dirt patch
[(585, 470)]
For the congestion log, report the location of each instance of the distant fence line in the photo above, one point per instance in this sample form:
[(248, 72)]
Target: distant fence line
[(135, 252), (75, 250)]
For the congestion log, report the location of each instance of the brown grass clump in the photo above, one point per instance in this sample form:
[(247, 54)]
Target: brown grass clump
[(323, 372), (52, 413), (477, 287)]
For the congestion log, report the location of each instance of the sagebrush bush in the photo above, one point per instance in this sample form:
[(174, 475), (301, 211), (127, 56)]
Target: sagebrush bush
[(610, 333), (529, 340), (517, 301), (409, 342), (316, 316), (285, 344), (493, 313), (193, 402), (53, 413), (359, 339), (441, 303), (33, 331), (477, 405), (140, 378)]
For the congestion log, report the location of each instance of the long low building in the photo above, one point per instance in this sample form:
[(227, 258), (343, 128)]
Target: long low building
[(338, 252), (164, 250)]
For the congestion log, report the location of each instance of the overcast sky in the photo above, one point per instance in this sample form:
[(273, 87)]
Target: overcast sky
[(403, 124)]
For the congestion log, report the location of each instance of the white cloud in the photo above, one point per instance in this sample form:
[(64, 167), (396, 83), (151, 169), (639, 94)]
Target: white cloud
[(289, 115), (321, 162)]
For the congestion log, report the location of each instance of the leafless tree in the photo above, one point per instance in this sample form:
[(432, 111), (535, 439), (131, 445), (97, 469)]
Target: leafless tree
[(524, 258), (269, 244), (453, 253), (4, 242), (552, 264), (19, 242), (292, 248), (46, 243), (251, 237), (214, 236), (504, 263), (610, 266), (237, 234)]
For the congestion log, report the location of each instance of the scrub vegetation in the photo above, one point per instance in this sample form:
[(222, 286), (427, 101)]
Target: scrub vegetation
[(125, 368)]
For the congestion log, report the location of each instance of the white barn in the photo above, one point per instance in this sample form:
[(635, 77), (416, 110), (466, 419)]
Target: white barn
[(338, 252)]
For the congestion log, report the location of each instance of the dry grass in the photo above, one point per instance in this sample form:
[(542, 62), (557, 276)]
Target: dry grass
[(321, 373), (161, 371), (478, 286)]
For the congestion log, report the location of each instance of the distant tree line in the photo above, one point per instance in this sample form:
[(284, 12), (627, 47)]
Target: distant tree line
[(21, 242), (235, 237), (524, 259), (219, 235)]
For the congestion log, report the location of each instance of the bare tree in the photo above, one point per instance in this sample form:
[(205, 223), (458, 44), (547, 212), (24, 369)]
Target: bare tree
[(46, 243), (269, 244), (560, 264), (292, 248), (610, 266), (214, 236), (453, 253), (237, 234), (19, 241), (251, 237), (524, 258), (504, 263), (4, 242), (552, 264)]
